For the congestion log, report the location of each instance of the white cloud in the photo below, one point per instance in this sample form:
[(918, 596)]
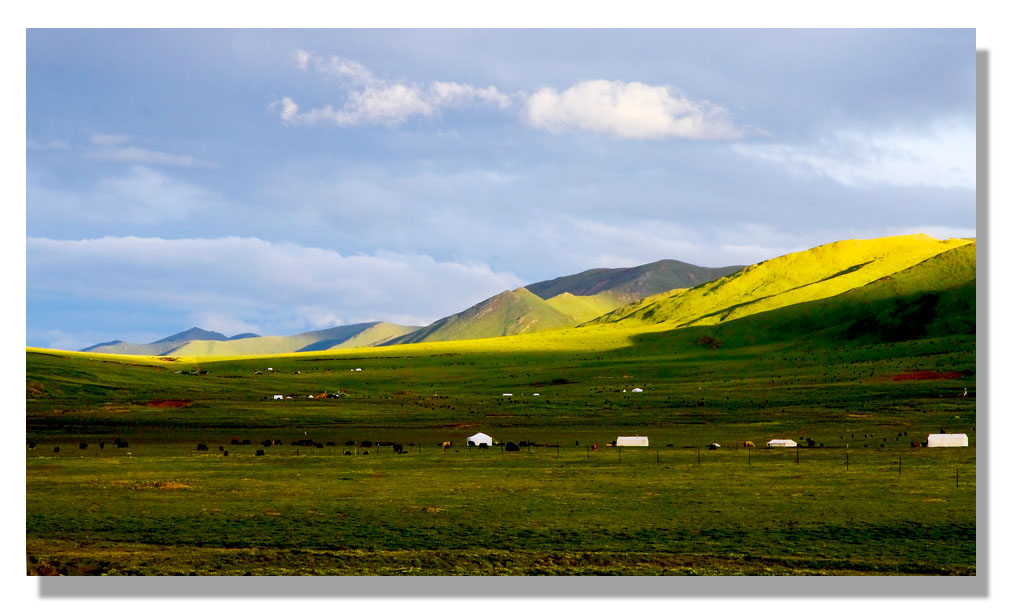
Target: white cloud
[(264, 285), (109, 139), (113, 147), (622, 110), (49, 145), (939, 155), (371, 100), (137, 155), (628, 110), (143, 196)]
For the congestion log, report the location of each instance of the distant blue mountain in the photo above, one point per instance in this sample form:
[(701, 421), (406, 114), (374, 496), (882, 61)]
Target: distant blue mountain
[(245, 335), (101, 344), (194, 333)]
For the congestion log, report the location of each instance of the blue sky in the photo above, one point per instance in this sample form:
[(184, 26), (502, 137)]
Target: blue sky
[(276, 181)]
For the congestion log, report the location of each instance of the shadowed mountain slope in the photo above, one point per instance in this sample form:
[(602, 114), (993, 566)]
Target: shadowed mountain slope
[(629, 284)]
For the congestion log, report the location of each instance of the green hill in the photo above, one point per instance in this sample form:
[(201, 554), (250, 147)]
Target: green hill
[(629, 284), (344, 336), (932, 299), (805, 276), (582, 308), (511, 312)]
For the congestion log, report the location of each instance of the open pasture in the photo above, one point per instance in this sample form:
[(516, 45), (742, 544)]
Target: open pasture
[(542, 510), (159, 506)]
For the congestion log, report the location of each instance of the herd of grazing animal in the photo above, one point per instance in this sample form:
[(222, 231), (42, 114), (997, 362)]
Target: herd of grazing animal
[(396, 447)]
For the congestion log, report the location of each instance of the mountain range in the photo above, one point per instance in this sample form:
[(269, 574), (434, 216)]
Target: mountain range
[(904, 278), (562, 302)]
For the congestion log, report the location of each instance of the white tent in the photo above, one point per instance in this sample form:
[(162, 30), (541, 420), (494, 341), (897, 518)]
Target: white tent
[(632, 441), (934, 440), (479, 438), (781, 443), (636, 390)]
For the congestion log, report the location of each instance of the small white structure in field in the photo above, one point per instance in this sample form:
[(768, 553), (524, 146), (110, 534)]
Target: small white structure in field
[(632, 441), (311, 397), (357, 369), (636, 390), (506, 395), (270, 369), (278, 397), (479, 438), (781, 443), (935, 440), (536, 395)]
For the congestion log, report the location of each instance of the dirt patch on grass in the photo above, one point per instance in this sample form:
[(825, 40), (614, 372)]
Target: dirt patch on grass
[(148, 485), (929, 375), (169, 403)]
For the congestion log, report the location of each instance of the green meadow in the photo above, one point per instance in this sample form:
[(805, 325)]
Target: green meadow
[(856, 499)]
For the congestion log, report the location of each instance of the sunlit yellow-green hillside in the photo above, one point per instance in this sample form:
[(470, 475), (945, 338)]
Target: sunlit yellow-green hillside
[(583, 308), (818, 273), (370, 335)]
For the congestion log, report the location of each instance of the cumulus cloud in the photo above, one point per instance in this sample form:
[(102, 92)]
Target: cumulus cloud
[(269, 286), (939, 155), (628, 110), (371, 100), (615, 108)]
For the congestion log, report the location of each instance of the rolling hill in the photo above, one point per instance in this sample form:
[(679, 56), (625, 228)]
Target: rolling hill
[(513, 312), (198, 342), (931, 299), (818, 273), (565, 301)]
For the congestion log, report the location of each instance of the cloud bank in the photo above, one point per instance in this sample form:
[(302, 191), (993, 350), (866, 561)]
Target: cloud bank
[(265, 285), (940, 155)]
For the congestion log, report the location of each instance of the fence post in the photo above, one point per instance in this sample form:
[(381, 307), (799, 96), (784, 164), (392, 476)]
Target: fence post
[(657, 456), (797, 455), (846, 461)]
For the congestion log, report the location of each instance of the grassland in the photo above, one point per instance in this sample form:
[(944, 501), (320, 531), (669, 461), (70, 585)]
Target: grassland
[(555, 507)]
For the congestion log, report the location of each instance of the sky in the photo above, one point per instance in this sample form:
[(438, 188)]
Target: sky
[(278, 181)]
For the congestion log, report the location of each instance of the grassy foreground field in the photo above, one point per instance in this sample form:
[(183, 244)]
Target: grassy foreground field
[(861, 500)]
